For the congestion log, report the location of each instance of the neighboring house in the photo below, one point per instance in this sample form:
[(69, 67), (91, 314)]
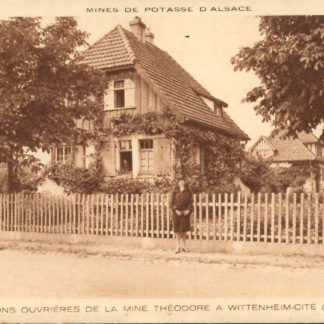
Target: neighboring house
[(306, 149), (143, 78)]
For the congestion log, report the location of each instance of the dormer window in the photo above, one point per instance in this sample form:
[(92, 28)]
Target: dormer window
[(212, 106), (209, 103), (120, 94)]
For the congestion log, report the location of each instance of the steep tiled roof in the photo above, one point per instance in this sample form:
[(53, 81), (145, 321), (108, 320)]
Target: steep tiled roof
[(307, 137), (287, 149), (290, 150), (121, 48), (109, 51)]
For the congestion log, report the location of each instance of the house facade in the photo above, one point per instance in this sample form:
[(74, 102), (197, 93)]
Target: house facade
[(142, 78), (305, 150)]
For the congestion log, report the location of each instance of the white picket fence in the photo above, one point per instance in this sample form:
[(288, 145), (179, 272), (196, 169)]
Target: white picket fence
[(275, 218)]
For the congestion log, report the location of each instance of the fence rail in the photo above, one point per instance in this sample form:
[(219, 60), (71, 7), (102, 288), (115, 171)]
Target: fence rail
[(276, 218)]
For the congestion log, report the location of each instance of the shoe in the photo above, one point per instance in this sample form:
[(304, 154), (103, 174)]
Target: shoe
[(177, 251), (185, 250)]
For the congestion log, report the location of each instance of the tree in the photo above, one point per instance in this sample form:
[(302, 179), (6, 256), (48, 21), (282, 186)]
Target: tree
[(289, 62), (44, 87)]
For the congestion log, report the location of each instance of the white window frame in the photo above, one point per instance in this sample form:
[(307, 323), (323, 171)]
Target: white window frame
[(66, 157), (146, 152), (124, 149), (129, 94)]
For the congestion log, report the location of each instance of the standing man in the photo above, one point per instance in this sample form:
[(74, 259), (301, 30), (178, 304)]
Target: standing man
[(181, 205)]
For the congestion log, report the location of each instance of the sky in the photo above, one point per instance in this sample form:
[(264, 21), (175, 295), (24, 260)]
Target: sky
[(213, 38), (205, 54)]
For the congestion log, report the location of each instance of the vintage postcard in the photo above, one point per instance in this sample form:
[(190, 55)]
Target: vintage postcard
[(161, 161)]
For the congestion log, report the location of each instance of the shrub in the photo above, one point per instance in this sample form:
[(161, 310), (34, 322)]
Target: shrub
[(74, 179), (136, 186)]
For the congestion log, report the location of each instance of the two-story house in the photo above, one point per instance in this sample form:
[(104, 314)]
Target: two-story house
[(143, 78), (305, 150)]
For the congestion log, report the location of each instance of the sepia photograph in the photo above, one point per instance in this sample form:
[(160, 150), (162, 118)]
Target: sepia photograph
[(161, 162)]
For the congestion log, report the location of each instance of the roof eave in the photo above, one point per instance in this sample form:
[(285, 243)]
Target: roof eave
[(118, 68), (218, 101), (241, 136)]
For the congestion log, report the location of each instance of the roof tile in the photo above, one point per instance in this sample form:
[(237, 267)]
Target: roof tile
[(120, 48)]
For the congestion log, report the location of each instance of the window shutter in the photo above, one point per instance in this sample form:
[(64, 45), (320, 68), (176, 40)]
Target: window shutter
[(162, 156), (109, 96), (53, 155), (196, 155), (109, 158), (202, 159), (78, 156), (129, 93)]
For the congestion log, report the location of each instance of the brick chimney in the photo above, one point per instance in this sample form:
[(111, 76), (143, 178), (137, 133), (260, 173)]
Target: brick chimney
[(149, 36), (137, 27)]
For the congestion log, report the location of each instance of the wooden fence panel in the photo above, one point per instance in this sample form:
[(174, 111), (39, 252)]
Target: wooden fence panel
[(274, 218)]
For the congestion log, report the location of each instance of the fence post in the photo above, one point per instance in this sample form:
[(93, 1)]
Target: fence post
[(265, 238), (259, 218), (252, 218), (142, 216), (126, 215), (195, 215), (162, 215), (168, 215), (238, 223), (280, 217), (207, 216), (301, 226), (245, 216), (214, 216), (232, 218), (147, 205), (226, 215), (309, 209), (272, 216), (157, 196), (294, 217), (316, 218), (220, 232), (132, 217), (100, 214), (106, 202), (287, 217), (200, 216)]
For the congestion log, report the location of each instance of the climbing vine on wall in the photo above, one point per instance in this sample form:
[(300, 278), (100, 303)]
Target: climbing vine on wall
[(223, 154)]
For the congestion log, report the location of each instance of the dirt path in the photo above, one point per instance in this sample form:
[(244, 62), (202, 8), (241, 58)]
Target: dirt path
[(57, 274)]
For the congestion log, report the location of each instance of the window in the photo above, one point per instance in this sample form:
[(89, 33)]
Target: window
[(63, 154), (125, 151), (146, 155), (209, 103), (120, 94)]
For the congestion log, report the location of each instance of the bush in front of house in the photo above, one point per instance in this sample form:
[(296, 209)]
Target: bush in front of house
[(257, 174), (74, 179), (128, 185)]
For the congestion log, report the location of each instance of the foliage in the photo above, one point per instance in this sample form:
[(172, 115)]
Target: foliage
[(254, 172), (44, 88), (289, 62), (76, 179), (136, 186), (128, 124), (279, 179), (223, 154), (259, 176)]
